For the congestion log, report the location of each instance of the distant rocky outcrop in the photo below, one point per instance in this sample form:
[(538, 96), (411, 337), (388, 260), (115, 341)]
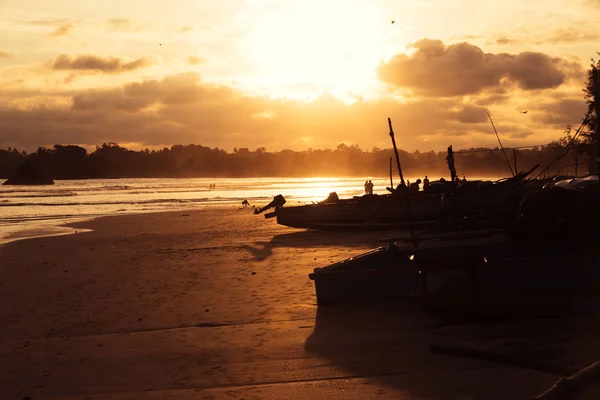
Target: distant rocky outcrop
[(29, 173)]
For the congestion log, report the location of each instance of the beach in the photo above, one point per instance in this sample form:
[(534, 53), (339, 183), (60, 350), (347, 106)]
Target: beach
[(216, 304)]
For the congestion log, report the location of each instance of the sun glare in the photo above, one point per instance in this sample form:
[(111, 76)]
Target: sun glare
[(333, 45)]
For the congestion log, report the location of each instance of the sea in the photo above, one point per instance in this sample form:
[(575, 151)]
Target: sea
[(33, 211)]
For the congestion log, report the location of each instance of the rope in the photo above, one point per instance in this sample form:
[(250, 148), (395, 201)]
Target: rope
[(568, 148)]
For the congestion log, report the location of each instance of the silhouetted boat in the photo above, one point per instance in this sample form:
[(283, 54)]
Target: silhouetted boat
[(484, 200), (546, 262)]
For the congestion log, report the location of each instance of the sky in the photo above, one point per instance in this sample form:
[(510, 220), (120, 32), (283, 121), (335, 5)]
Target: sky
[(293, 74)]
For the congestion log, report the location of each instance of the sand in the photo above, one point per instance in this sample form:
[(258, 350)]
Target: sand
[(215, 304)]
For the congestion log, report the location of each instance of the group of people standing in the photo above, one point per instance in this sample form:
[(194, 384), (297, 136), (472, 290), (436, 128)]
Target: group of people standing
[(369, 187)]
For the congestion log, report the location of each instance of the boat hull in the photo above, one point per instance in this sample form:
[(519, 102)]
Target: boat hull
[(487, 275)]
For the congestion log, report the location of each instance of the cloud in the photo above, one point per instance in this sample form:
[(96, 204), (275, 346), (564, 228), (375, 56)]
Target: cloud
[(63, 30), (195, 60), (123, 25), (182, 108), (93, 64), (471, 114), (574, 34), (435, 69), (561, 112), (185, 29), (502, 40), (4, 54)]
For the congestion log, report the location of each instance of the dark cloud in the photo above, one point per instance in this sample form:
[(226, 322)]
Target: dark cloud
[(472, 114), (435, 69), (63, 30), (561, 112), (183, 109), (122, 25), (4, 54), (94, 64), (492, 99), (195, 60)]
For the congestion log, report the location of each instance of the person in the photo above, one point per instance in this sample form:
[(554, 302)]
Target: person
[(450, 161), (414, 187), (464, 179), (370, 187), (425, 183), (366, 187)]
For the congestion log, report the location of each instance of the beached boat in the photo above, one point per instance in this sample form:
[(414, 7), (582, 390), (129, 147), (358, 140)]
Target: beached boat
[(401, 210), (487, 273), (546, 262)]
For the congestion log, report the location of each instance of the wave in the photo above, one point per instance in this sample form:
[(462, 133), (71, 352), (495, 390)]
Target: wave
[(153, 201)]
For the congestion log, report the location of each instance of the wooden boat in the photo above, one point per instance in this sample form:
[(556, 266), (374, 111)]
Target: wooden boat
[(395, 210), (465, 272)]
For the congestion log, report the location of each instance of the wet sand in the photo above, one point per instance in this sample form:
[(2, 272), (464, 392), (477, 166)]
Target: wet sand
[(215, 304)]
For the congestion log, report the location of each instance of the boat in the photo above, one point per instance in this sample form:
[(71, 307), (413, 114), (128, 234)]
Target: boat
[(404, 210), (403, 207), (547, 261)]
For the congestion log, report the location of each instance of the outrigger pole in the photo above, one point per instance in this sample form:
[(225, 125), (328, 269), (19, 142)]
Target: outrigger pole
[(396, 151), (498, 137), (406, 191), (391, 178), (596, 94)]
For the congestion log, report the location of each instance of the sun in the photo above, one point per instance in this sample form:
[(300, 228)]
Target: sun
[(332, 46)]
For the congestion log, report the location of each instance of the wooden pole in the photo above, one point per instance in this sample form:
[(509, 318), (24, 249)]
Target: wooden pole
[(406, 192), (396, 151), (515, 160), (576, 166), (391, 179), (498, 137), (596, 94)]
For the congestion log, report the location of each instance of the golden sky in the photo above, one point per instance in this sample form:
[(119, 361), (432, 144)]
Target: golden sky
[(292, 73)]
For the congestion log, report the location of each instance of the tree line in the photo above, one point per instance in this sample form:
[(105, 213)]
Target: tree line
[(113, 161)]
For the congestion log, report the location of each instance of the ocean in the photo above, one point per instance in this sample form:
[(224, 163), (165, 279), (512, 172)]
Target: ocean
[(31, 211)]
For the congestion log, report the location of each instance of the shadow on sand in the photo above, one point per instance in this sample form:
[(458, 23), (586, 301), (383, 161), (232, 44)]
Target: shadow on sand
[(261, 250), (427, 356)]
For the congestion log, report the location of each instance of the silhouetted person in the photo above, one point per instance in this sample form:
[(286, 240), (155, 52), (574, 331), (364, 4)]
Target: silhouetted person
[(425, 182), (464, 179), (369, 187), (450, 161), (414, 187), (366, 187)]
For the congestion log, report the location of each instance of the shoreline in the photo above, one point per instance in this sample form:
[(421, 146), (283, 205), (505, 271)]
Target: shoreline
[(215, 303)]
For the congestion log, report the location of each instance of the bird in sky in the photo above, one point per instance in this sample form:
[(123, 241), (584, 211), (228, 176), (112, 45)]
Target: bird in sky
[(523, 112), (393, 22)]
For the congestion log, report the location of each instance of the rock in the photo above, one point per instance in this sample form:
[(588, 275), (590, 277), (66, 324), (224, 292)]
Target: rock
[(29, 173), (253, 273)]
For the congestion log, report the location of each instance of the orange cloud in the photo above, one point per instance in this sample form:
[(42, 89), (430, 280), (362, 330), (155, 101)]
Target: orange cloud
[(123, 25), (4, 54), (435, 69), (194, 60), (63, 30), (93, 64)]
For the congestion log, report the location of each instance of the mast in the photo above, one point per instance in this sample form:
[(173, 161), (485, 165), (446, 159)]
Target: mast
[(498, 137), (391, 179), (596, 94), (515, 160), (406, 192), (396, 151)]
